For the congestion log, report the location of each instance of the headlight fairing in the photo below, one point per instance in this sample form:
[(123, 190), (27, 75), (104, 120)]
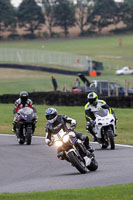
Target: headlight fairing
[(58, 143), (66, 138)]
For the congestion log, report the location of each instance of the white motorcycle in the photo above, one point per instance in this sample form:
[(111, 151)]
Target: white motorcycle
[(104, 128), (73, 150)]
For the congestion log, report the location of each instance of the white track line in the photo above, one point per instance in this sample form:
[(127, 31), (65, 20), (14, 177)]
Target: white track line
[(40, 137)]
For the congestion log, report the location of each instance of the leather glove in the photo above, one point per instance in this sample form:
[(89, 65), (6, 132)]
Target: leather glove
[(50, 143), (87, 127), (72, 127), (92, 123)]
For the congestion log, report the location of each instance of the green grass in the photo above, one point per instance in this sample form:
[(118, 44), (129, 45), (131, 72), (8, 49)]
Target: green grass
[(93, 47), (13, 81), (104, 49), (124, 125), (117, 192)]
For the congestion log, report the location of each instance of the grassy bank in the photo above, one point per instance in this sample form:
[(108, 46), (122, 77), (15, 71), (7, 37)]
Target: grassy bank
[(124, 125), (12, 81), (118, 192), (104, 49)]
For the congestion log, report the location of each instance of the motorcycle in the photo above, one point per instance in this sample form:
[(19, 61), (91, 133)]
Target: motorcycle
[(25, 125), (104, 128), (71, 149)]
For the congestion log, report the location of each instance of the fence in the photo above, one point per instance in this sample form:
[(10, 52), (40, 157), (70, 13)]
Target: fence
[(40, 57)]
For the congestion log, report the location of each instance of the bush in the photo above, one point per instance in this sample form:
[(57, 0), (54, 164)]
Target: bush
[(1, 37), (13, 36), (45, 34), (55, 35), (87, 33), (29, 36), (121, 30)]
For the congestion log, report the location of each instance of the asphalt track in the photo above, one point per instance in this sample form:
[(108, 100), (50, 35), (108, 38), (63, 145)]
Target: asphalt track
[(35, 167)]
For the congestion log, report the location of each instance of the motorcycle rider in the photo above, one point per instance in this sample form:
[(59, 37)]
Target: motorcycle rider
[(57, 122), (95, 104), (21, 102)]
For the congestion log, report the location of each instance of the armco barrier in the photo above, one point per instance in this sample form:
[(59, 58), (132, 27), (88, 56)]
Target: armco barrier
[(67, 99), (43, 69)]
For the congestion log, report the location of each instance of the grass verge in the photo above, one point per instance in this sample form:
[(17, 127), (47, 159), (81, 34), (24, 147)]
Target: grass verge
[(117, 192), (104, 49), (124, 125)]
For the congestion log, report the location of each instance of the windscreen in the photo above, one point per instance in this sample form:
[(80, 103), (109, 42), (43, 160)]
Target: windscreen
[(26, 111), (101, 112)]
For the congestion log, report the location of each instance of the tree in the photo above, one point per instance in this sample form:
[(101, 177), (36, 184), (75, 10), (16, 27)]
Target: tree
[(48, 6), (81, 14), (30, 16), (64, 13), (7, 15), (127, 13), (102, 14)]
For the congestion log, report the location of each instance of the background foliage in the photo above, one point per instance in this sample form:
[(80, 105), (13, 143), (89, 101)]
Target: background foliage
[(90, 16)]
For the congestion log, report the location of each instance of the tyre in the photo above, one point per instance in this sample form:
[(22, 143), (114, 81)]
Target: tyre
[(104, 146), (21, 141), (80, 166), (28, 136), (93, 166), (111, 139)]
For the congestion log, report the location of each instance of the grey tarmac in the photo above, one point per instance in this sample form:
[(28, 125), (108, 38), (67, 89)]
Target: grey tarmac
[(35, 167)]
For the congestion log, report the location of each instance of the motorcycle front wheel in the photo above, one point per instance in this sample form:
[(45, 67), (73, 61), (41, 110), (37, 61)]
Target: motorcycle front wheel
[(80, 166), (20, 137), (28, 137), (111, 139), (21, 141)]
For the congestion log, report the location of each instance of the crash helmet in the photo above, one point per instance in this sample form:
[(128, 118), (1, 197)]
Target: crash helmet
[(23, 96), (92, 98), (51, 115)]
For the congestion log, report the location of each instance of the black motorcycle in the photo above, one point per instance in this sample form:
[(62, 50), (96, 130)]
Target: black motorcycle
[(25, 125), (74, 151)]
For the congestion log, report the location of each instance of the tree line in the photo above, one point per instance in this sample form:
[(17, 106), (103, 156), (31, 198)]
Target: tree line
[(93, 14)]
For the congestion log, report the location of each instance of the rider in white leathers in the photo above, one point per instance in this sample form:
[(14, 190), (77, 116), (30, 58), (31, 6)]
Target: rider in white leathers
[(94, 104)]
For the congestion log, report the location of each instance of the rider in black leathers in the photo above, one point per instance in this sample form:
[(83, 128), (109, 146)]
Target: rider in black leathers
[(57, 122)]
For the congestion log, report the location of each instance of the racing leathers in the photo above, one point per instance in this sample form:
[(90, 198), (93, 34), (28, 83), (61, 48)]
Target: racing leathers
[(90, 117), (19, 105), (66, 123)]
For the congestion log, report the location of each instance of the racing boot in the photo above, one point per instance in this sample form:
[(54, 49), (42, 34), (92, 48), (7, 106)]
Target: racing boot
[(14, 127), (87, 144), (94, 139), (90, 149), (60, 155), (114, 134)]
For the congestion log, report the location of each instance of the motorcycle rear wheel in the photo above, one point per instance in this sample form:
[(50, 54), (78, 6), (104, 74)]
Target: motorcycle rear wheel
[(77, 163)]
